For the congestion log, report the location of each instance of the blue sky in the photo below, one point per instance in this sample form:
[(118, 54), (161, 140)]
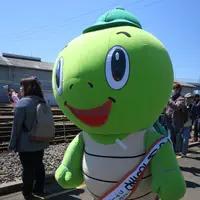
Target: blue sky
[(42, 28)]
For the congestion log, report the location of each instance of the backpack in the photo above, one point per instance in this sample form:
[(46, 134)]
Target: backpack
[(160, 129), (43, 129), (193, 112)]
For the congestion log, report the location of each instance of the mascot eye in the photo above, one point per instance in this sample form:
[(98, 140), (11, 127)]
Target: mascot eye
[(58, 76), (117, 67)]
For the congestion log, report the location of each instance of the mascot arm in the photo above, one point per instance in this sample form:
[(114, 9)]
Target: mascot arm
[(167, 179), (69, 173)]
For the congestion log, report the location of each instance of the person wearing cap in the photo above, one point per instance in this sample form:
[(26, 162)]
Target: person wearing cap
[(186, 130), (174, 115)]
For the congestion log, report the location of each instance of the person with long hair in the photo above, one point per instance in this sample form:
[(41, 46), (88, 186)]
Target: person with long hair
[(30, 152)]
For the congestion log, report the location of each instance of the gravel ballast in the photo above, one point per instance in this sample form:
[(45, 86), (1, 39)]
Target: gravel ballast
[(11, 169)]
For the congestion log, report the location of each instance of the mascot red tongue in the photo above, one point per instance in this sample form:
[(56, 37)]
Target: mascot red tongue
[(122, 78), (95, 116)]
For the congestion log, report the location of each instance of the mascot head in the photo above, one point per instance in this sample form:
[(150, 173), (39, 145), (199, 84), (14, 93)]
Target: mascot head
[(115, 78)]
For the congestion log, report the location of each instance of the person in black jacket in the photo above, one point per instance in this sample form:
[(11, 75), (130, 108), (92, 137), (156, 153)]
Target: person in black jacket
[(195, 114)]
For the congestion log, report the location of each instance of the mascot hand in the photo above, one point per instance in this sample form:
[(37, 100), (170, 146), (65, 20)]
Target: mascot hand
[(67, 178), (169, 186)]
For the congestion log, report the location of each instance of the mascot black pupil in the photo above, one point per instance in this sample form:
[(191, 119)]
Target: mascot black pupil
[(118, 64), (58, 75)]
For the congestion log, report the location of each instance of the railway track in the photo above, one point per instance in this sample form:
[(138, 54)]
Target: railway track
[(57, 140), (65, 130)]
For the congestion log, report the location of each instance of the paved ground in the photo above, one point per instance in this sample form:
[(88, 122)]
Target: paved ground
[(190, 167)]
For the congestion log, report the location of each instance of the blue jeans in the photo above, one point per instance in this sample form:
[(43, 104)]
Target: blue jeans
[(185, 133), (176, 138)]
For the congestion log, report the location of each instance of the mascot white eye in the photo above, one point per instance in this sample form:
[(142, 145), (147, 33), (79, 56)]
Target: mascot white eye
[(117, 67), (59, 76)]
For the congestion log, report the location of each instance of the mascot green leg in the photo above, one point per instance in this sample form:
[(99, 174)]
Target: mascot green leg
[(69, 173), (167, 179)]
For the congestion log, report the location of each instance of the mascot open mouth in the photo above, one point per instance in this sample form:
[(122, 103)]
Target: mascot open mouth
[(93, 117)]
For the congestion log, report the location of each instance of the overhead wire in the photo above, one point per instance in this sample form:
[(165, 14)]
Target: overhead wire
[(48, 27), (66, 21)]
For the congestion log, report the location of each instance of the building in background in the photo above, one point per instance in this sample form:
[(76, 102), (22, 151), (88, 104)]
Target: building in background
[(186, 87), (15, 67), (194, 82)]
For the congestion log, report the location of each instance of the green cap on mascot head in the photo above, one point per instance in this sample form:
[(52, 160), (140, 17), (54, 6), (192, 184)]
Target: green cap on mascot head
[(115, 78)]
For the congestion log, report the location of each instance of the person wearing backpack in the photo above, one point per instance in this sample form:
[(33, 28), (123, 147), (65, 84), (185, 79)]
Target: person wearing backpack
[(25, 136), (186, 130), (174, 117)]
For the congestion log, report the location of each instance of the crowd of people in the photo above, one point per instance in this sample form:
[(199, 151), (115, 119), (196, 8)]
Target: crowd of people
[(181, 119)]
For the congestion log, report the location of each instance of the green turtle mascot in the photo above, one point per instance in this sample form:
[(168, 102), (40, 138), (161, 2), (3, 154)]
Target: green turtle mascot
[(113, 81)]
